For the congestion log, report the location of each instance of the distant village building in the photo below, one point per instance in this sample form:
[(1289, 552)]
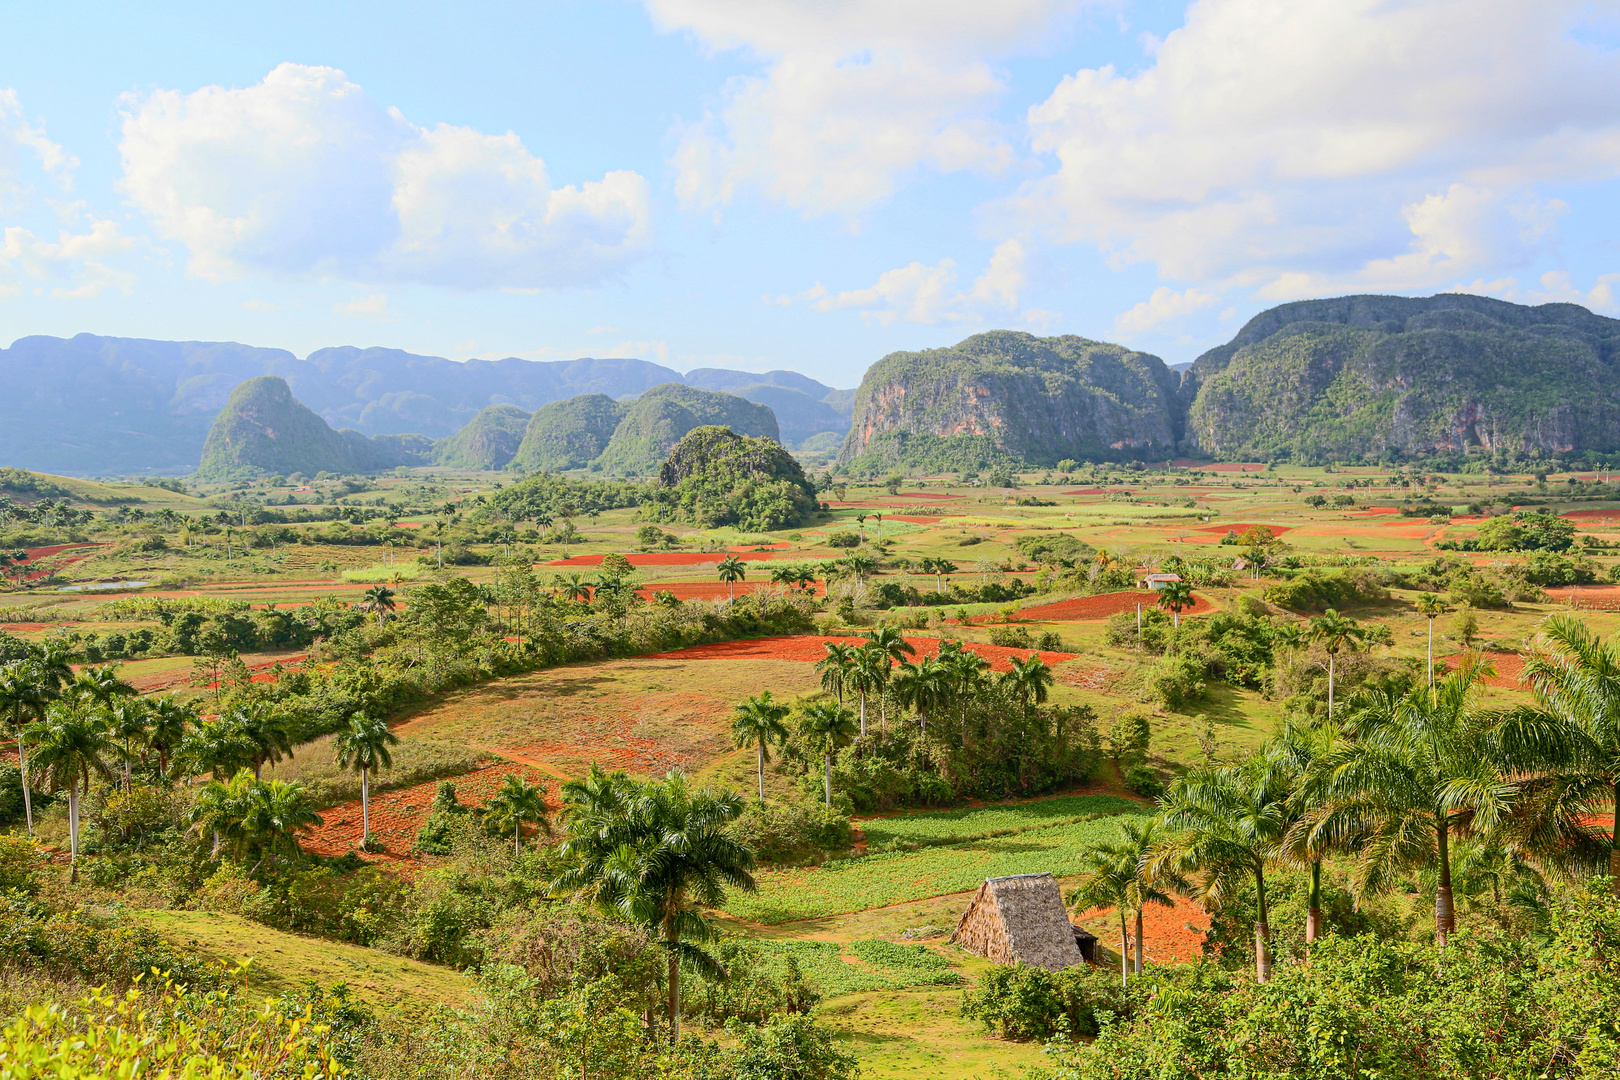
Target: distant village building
[(1159, 581), (1021, 918)]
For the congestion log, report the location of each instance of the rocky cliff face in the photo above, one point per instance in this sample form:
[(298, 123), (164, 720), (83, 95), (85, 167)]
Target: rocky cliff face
[(1011, 395), (1368, 375)]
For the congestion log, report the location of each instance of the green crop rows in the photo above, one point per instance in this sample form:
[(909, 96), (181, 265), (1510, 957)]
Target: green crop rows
[(959, 825), (884, 965)]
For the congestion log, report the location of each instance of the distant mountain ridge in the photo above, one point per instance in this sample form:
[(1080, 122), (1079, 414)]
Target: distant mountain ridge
[(92, 405)]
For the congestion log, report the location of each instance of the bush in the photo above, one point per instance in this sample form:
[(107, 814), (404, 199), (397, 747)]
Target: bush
[(1178, 679), (1032, 1003), (1546, 568), (753, 990), (1144, 781), (843, 540), (1316, 591), (792, 834)]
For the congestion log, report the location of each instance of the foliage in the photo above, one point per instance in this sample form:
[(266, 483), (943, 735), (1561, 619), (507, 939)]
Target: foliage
[(1526, 531), (79, 946), (792, 834), (1316, 591), (1020, 1002), (715, 477)]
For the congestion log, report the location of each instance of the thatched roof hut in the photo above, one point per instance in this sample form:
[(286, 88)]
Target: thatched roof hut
[(1019, 918)]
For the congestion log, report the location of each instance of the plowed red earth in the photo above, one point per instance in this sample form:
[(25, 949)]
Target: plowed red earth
[(397, 815), (809, 649), (1602, 597), (1591, 515), (1171, 934), (36, 554), (710, 590), (27, 627), (1509, 667), (1102, 606), (1242, 527), (1375, 511), (665, 558)]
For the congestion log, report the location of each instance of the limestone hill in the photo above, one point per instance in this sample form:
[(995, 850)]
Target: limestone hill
[(264, 429)]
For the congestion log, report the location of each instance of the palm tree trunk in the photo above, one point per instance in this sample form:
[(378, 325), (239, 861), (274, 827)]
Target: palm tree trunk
[(863, 712), (1138, 964), (828, 778), (517, 838), (762, 770), (1313, 913), (1330, 686), (1445, 915), (1262, 930), (1431, 654), (1614, 837), (73, 829), (674, 987), (1124, 951), (365, 805), (28, 800)]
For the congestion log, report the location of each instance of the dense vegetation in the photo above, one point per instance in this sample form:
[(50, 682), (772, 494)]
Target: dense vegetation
[(715, 476), (262, 430)]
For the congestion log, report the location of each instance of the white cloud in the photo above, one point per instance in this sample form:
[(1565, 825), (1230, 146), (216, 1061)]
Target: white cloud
[(1294, 147), (1556, 288), (920, 293), (374, 306), (303, 174), (855, 95), (1164, 305), (22, 142), (72, 267)]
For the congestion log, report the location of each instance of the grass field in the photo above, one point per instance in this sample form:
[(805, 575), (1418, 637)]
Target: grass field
[(984, 822)]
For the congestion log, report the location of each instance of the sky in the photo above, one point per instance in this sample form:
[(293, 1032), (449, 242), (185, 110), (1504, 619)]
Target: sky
[(776, 184)]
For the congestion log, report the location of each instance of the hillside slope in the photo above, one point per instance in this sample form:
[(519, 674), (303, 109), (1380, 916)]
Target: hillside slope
[(489, 441), (1010, 395), (264, 429), (1368, 375), (569, 434), (655, 422)]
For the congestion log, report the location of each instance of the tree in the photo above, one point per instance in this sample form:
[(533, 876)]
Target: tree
[(924, 687), (221, 809), (1119, 875), (218, 747), (1030, 679), (128, 722), (1299, 751), (276, 811), (168, 723), (827, 727), (658, 855), (1431, 607), (515, 802), (868, 668), (24, 695), (1334, 631), (757, 722), (860, 565), (575, 589), (889, 641), (267, 728), (1226, 825), (732, 570), (379, 600), (68, 746), (363, 746), (834, 668), (100, 686), (1176, 597)]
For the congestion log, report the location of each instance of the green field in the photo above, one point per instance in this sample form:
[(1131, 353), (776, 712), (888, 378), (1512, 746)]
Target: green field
[(951, 826)]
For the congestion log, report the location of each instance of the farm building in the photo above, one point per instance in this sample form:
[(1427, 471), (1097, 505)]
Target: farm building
[(1159, 581), (1021, 918)]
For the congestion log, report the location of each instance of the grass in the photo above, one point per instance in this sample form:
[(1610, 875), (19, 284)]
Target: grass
[(921, 1033), (282, 961), (956, 826), (877, 965), (416, 761), (897, 877)]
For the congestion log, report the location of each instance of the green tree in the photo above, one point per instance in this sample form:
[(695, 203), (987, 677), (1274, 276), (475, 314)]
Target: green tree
[(168, 723), (732, 570), (1176, 597), (277, 811), (1431, 607), (68, 746), (515, 802), (1120, 874), (868, 668), (1030, 679), (834, 667), (757, 722), (24, 696), (827, 727), (379, 600), (924, 687), (575, 589), (895, 648), (363, 747), (1334, 631), (657, 855), (268, 728), (128, 725)]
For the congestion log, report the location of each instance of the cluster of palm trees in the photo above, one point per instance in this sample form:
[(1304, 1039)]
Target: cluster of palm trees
[(939, 568), (1397, 785)]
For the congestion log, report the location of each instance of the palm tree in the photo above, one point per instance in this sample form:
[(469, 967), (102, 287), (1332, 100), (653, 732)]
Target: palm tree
[(757, 722), (218, 747), (67, 748), (168, 721), (24, 695), (276, 812), (1226, 825), (1176, 597), (867, 667), (879, 519), (1431, 607), (267, 728), (128, 721), (834, 668), (575, 589), (731, 571), (923, 687), (1120, 875), (1299, 751), (860, 566), (827, 727), (221, 808), (1334, 631), (517, 801), (100, 686), (363, 746), (942, 568), (658, 855), (379, 600), (1030, 679), (889, 641)]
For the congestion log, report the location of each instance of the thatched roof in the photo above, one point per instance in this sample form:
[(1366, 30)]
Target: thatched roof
[(1019, 918)]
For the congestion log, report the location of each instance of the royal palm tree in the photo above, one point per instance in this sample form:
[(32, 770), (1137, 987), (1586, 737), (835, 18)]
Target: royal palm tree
[(1030, 679), (942, 568), (1120, 875), (128, 726), (221, 809), (888, 640), (267, 728), (277, 810), (68, 746), (517, 801), (1224, 826), (658, 855), (1431, 607), (827, 727), (99, 686), (217, 747), (379, 600), (1334, 631), (24, 695), (732, 570), (860, 565), (757, 722), (168, 722), (866, 668), (575, 589), (1176, 597), (924, 686), (363, 746), (834, 667), (1298, 750)]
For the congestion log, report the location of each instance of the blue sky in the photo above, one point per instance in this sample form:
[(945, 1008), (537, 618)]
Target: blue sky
[(762, 183)]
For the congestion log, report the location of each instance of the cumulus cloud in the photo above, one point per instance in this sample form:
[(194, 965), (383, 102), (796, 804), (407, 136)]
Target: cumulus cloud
[(22, 144), (1300, 147), (920, 293), (374, 306), (72, 267), (304, 174), (1163, 306), (854, 96)]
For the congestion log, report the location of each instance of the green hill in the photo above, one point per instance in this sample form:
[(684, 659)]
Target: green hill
[(569, 434), (1376, 376), (713, 477), (264, 429), (489, 441), (1008, 395), (655, 422)]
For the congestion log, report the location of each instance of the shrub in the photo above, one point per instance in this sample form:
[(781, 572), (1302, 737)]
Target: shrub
[(792, 834), (1178, 679), (1032, 1003), (753, 990), (843, 540), (1550, 568), (1316, 591), (1144, 781)]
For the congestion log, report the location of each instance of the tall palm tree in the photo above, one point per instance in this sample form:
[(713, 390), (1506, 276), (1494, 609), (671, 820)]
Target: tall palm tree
[(217, 747), (268, 728), (868, 667), (24, 695), (942, 568), (893, 644), (827, 727), (168, 723), (860, 565), (363, 746), (1299, 750), (732, 570), (68, 746), (277, 810), (379, 600), (757, 722), (1030, 679), (658, 855), (1176, 597), (128, 724), (1226, 825), (1121, 875), (925, 687), (221, 809), (834, 667), (517, 801), (100, 686), (1334, 631), (1431, 607)]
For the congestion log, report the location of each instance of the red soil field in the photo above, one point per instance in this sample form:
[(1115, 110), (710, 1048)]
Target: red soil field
[(1591, 515), (710, 590), (28, 627), (1509, 667), (810, 648), (1164, 929), (1241, 527), (1374, 511), (1601, 597), (663, 558), (912, 519), (57, 549), (36, 554), (1102, 606), (397, 815)]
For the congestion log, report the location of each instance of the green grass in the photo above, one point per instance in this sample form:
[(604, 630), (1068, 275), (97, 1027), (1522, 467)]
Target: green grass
[(879, 965), (897, 877), (955, 826)]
